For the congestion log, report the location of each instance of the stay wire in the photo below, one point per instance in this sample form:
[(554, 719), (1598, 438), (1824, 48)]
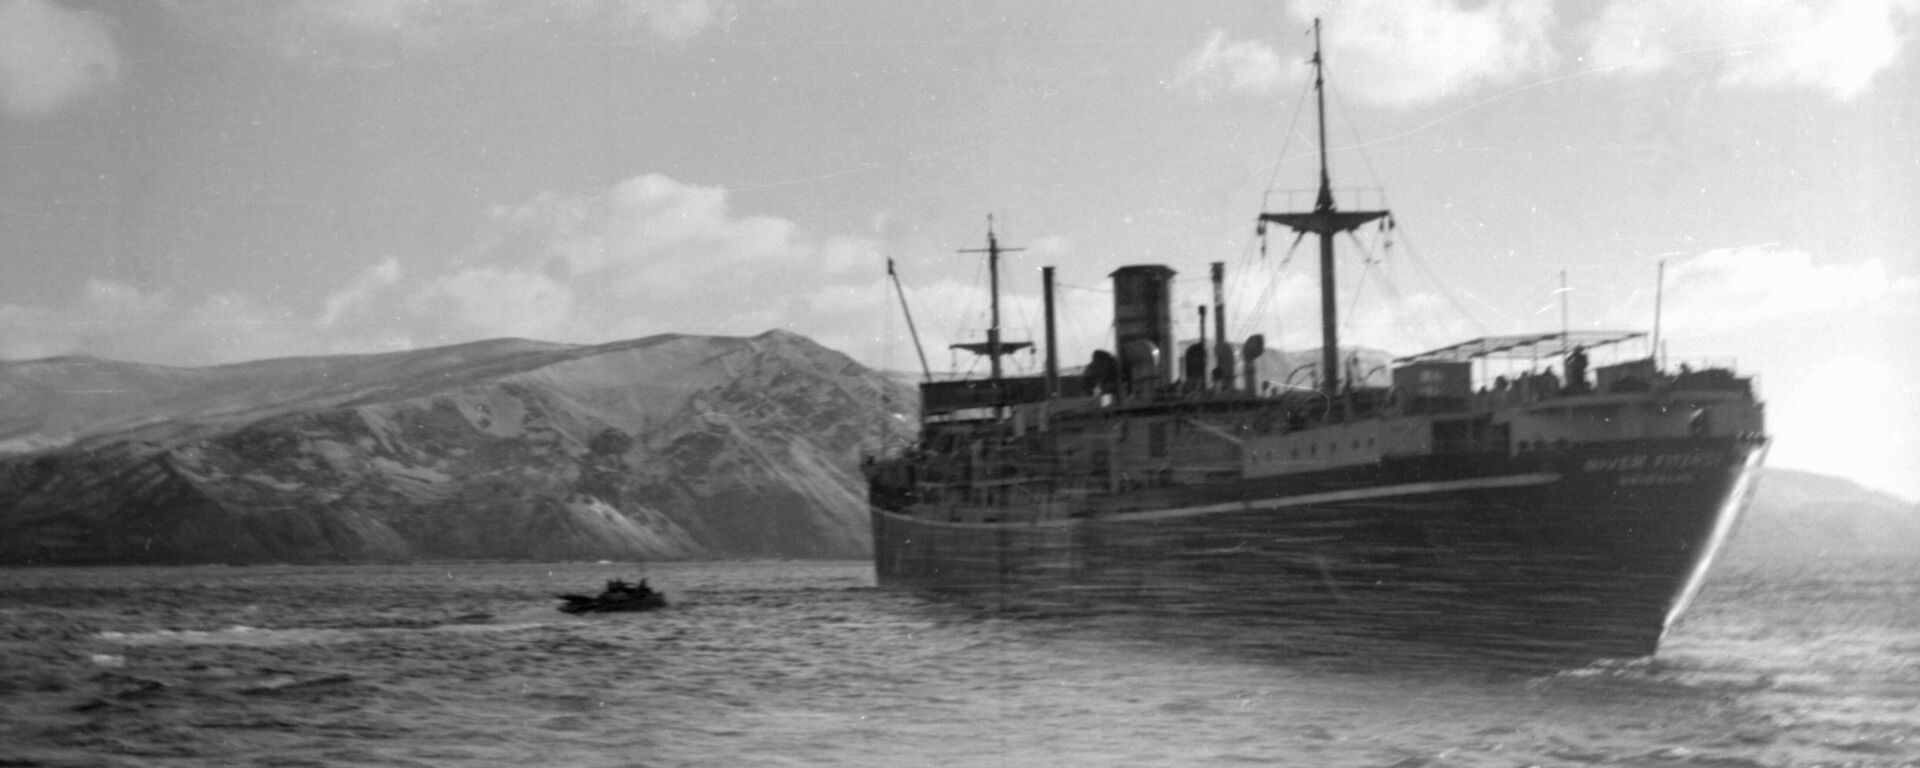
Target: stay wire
[(1358, 145), (1445, 289), (967, 313), (1263, 304), (1280, 160), (1248, 320), (1367, 261)]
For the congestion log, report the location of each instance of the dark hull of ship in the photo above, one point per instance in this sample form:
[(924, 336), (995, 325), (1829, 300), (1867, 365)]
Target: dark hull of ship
[(1565, 555)]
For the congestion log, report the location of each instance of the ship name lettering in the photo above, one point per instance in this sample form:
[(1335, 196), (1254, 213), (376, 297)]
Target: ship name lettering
[(1686, 460), (1657, 478), (1667, 461), (1620, 463)]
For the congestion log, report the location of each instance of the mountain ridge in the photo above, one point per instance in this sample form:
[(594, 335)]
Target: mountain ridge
[(668, 446)]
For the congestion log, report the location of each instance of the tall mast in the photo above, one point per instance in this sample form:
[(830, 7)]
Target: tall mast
[(1566, 326), (1325, 201), (994, 347), (1325, 221), (993, 288), (1659, 288), (1053, 342), (993, 250)]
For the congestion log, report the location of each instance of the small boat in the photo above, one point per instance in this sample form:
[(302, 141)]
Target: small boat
[(618, 596)]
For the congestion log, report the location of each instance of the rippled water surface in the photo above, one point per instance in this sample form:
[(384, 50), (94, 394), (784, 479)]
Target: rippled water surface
[(809, 664)]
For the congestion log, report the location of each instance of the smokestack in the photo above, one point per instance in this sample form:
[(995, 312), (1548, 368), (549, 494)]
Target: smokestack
[(1143, 312), (1223, 357), (1255, 347)]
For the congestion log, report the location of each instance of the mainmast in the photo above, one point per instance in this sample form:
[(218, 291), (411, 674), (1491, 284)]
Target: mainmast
[(1326, 222), (994, 347)]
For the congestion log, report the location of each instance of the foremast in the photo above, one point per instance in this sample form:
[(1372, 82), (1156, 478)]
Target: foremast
[(993, 347), (1326, 221)]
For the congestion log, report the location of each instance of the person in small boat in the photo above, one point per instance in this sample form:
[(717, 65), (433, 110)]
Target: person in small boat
[(620, 587)]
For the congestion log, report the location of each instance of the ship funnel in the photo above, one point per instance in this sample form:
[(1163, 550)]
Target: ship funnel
[(1255, 347), (1143, 365), (1223, 349), (1143, 312), (1195, 366)]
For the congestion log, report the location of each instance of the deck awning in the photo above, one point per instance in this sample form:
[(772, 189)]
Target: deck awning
[(1527, 345)]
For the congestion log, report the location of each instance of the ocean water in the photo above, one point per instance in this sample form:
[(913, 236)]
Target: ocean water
[(786, 664)]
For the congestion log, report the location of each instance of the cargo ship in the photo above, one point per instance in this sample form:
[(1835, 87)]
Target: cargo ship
[(1559, 510)]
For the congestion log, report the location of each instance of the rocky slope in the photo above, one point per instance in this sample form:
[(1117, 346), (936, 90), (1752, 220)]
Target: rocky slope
[(666, 447)]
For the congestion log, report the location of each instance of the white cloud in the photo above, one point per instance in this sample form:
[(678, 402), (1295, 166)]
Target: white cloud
[(1832, 45), (1629, 38), (117, 321), (357, 295), (840, 255), (52, 56), (1755, 285), (673, 20), (376, 32), (1400, 52), (493, 302), (1243, 65), (1410, 51), (646, 255), (649, 254)]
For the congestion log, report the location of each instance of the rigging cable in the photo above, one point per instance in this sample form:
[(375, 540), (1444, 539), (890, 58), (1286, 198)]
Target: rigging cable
[(1405, 324), (1273, 283), (1024, 314), (1391, 225), (966, 314), (960, 323), (1073, 326), (1248, 320), (1367, 261), (1359, 146), (1292, 125), (1446, 291)]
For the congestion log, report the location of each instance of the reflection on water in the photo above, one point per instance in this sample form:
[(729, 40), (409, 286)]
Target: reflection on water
[(807, 663)]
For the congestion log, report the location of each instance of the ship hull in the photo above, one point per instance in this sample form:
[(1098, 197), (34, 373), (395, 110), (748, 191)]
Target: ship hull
[(1584, 553)]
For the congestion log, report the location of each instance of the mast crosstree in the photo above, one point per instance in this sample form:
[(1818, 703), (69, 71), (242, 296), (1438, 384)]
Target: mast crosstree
[(993, 347), (1326, 221)]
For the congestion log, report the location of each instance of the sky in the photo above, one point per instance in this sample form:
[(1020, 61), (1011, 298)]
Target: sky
[(207, 182)]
